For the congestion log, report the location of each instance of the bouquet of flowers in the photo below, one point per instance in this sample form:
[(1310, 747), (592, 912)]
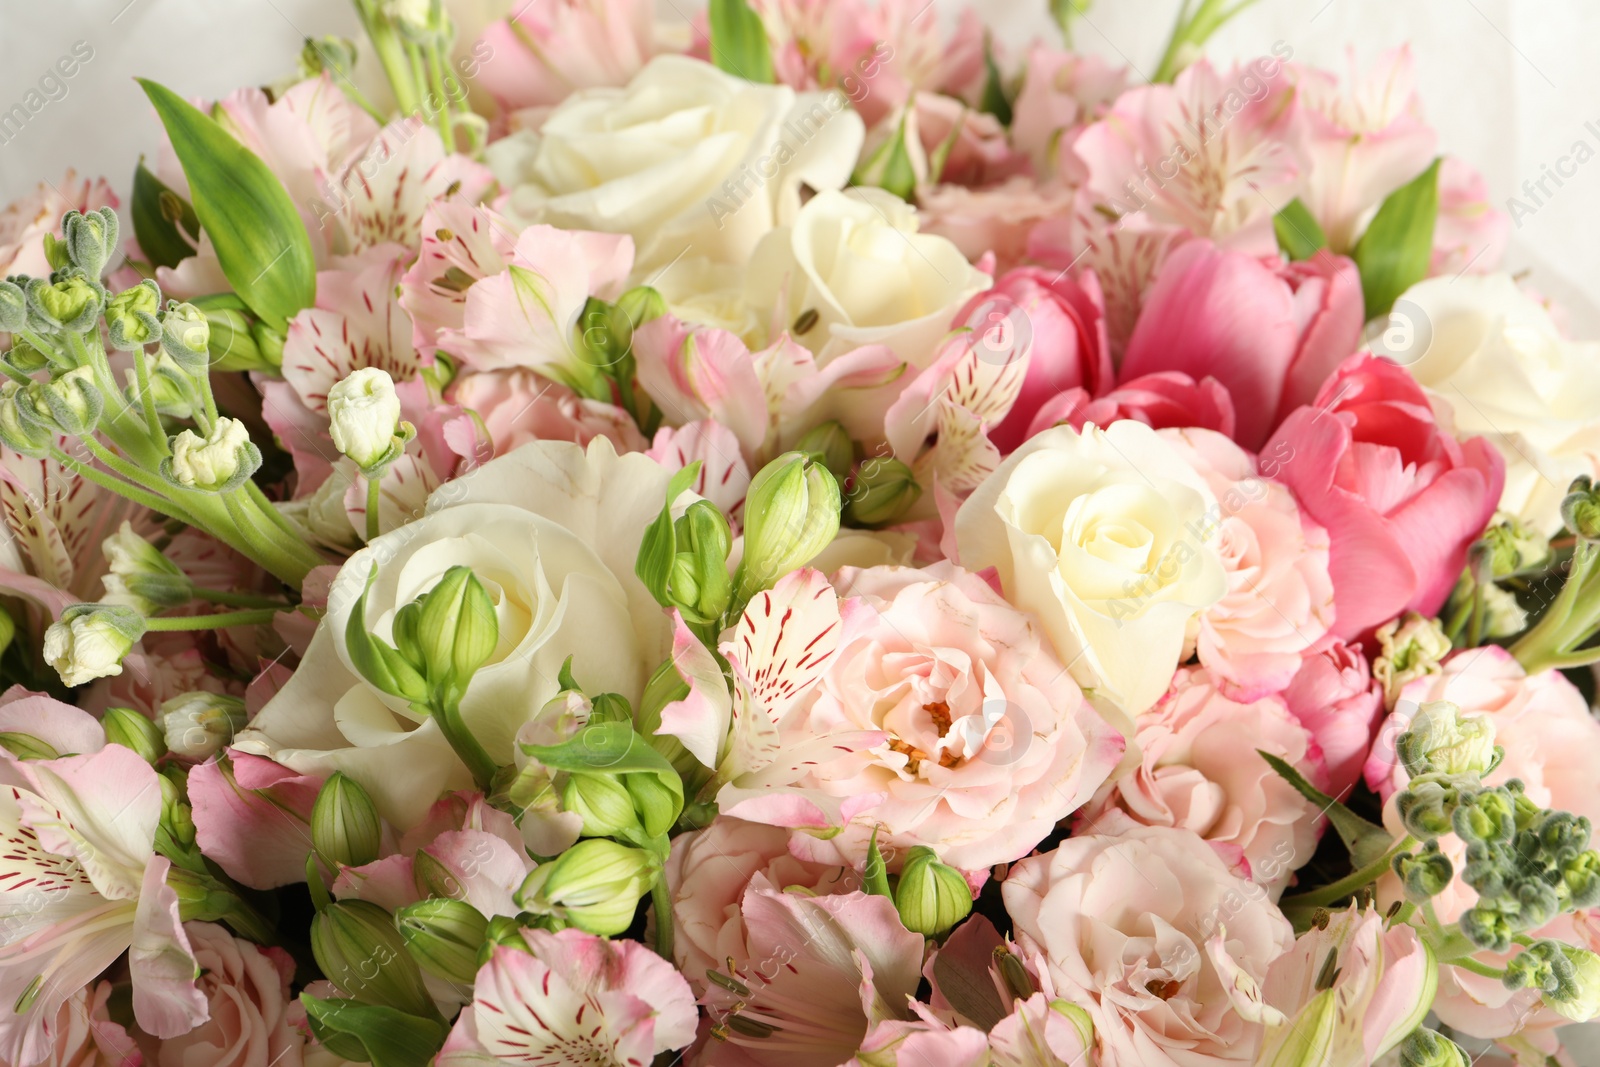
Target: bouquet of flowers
[(820, 543)]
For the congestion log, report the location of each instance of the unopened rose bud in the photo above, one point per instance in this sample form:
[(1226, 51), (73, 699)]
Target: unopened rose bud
[(140, 576), (1428, 1048), (883, 491), (1412, 647), (71, 304), (931, 897), (91, 239), (132, 729), (186, 336), (595, 885), (1442, 741), (356, 944), (830, 443), (364, 415), (132, 316), (218, 462), (791, 514), (345, 829), (199, 725), (444, 936), (90, 640), (456, 629)]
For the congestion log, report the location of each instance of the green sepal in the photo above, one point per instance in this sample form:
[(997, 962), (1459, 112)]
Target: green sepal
[(1394, 253), (1365, 840), (660, 543)]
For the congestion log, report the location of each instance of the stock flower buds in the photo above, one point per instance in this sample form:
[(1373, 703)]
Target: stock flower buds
[(1441, 740), (89, 641), (1580, 997), (1429, 1048), (130, 729), (70, 403), (20, 434), (13, 307), (131, 316), (1580, 510), (345, 829), (791, 513), (1424, 874), (186, 336), (444, 937), (221, 461), (1412, 647), (199, 725), (140, 576), (931, 897), (356, 944), (364, 413), (595, 885), (91, 239), (71, 304)]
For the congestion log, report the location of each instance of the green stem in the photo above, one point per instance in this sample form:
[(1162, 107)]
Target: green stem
[(239, 600), (1347, 885), (386, 43), (122, 488), (661, 899), (14, 374), (372, 508), (447, 713), (220, 621), (1570, 620), (446, 105), (141, 370), (1192, 28), (1467, 963)]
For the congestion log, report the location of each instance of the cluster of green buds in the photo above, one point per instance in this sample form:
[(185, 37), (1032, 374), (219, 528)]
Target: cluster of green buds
[(1429, 1048), (877, 490), (1479, 607), (931, 897)]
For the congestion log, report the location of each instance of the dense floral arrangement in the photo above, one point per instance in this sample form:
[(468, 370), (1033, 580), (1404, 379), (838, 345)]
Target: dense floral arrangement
[(822, 544)]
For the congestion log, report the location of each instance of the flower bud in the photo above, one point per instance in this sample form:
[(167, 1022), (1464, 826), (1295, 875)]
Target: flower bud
[(337, 54), (201, 898), (27, 747), (23, 355), (132, 729), (456, 629), (89, 641), (595, 885), (199, 725), (1502, 615), (1307, 1039), (345, 829), (1441, 740), (1514, 548), (1489, 816), (1487, 928), (1580, 881), (70, 403), (1579, 997), (1412, 647), (383, 667), (422, 21), (13, 308), (604, 804), (364, 413), (71, 304), (140, 576), (698, 582), (1427, 808), (1425, 874), (642, 304), (1580, 510), (21, 434), (131, 316), (216, 463), (360, 951), (791, 513), (91, 239), (444, 937), (1428, 1048), (186, 336), (931, 897), (883, 490), (830, 443), (177, 818)]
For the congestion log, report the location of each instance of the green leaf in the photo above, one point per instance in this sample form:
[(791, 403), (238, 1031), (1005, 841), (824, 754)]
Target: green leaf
[(1394, 252), (612, 748), (875, 875), (1299, 235), (158, 212), (994, 101), (1365, 840), (660, 543), (259, 237), (739, 41), (371, 1033)]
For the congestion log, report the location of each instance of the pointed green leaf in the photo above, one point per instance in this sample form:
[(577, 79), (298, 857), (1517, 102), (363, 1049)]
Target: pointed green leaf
[(1359, 836), (1395, 251), (260, 239), (994, 101), (158, 213), (739, 41), (1299, 235)]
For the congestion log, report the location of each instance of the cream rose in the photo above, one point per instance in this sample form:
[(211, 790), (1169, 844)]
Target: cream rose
[(1110, 538), (551, 529), (857, 261), (683, 157), (1491, 353)]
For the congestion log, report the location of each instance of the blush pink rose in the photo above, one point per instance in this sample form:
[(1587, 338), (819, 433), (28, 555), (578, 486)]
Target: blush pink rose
[(1198, 770), (83, 1034), (517, 406), (996, 219), (1270, 332), (1161, 401), (253, 1015), (1153, 935), (1400, 497), (1279, 602), (988, 741), (1334, 695)]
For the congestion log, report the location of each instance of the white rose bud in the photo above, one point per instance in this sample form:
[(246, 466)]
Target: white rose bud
[(365, 413), (199, 725), (90, 640), (220, 461)]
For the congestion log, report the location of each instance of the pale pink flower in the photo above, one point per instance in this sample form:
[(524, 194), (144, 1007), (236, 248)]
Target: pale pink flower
[(1061, 92), (1470, 233), (572, 998), (25, 221), (724, 476), (253, 1014), (997, 219), (1334, 696), (83, 1034), (252, 818), (461, 246), (1279, 603), (549, 49), (921, 1044), (1198, 770), (516, 406), (1151, 934)]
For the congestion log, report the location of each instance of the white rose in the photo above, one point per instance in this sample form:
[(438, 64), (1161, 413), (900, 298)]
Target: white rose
[(552, 530), (683, 157), (1109, 537), (857, 261), (712, 294), (1491, 353), (363, 414)]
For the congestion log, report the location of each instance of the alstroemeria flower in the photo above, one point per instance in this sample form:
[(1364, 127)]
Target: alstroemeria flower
[(572, 998)]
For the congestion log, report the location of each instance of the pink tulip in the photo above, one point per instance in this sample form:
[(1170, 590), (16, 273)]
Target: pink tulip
[(1271, 333), (1165, 400), (1400, 497), (1334, 696)]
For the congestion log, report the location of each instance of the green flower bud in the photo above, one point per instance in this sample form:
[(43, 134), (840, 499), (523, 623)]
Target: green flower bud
[(791, 513), (26, 747), (199, 725), (1428, 1048), (23, 435), (595, 885), (89, 641), (1426, 807), (177, 818), (345, 828), (364, 417), (1578, 998), (699, 582), (70, 403), (71, 304), (131, 729), (1489, 816), (830, 443), (385, 668), (168, 388), (641, 304), (13, 307), (456, 630), (269, 343), (444, 937), (91, 239), (1425, 874), (422, 21), (201, 898), (25, 357), (140, 576), (329, 52), (1580, 509), (186, 336), (1487, 928), (930, 897), (1513, 547), (883, 491), (1443, 741), (1580, 881), (657, 806), (360, 951), (219, 462), (604, 804), (229, 340), (131, 316)]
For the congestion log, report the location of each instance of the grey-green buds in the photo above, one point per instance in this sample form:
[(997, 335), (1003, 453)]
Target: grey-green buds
[(132, 316), (1428, 1048), (89, 641), (71, 304), (221, 461), (186, 336), (1580, 510), (91, 239)]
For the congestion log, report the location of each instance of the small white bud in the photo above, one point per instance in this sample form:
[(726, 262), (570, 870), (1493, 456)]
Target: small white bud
[(365, 414)]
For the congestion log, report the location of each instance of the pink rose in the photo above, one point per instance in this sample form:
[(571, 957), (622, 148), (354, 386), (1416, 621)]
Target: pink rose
[(253, 1015), (1151, 934), (1065, 318), (1198, 770), (987, 741), (1334, 695), (1279, 602), (707, 874), (995, 219), (1400, 497), (83, 1035), (1270, 332), (517, 406), (1161, 401)]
